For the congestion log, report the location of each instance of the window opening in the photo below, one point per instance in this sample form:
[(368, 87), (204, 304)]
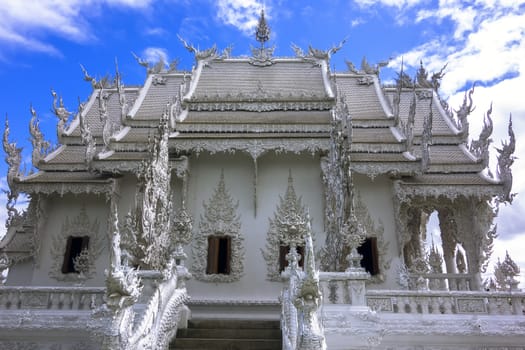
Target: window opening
[(370, 256), (219, 255), (74, 246), (284, 250)]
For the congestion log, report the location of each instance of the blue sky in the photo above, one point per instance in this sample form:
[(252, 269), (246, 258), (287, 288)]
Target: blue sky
[(43, 43)]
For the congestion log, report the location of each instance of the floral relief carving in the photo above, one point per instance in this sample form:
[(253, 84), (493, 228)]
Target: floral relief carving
[(466, 305), (380, 304), (378, 232), (220, 219), (255, 148), (80, 226), (287, 228)]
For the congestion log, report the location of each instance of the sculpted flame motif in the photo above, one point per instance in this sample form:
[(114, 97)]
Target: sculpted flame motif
[(220, 218), (288, 228), (147, 235)]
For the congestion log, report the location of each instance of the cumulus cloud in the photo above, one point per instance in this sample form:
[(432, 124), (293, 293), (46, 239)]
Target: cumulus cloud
[(25, 23), (390, 3), (242, 14), (485, 45), (155, 54)]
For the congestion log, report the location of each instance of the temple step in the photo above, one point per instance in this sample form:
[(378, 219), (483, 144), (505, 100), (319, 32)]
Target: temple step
[(212, 334)]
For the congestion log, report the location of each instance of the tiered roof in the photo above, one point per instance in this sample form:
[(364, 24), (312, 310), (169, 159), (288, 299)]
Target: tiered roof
[(262, 104)]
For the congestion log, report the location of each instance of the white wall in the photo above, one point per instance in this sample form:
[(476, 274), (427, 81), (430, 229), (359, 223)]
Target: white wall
[(377, 195), (272, 181), (57, 209)]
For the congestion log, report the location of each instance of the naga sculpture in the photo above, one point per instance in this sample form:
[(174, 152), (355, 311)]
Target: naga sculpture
[(505, 160), (40, 146), (62, 114)]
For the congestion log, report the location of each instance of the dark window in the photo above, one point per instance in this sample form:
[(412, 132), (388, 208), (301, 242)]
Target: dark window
[(219, 255), (284, 250), (74, 247), (370, 257)]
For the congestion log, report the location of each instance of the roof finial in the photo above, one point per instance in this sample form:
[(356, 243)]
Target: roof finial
[(262, 33)]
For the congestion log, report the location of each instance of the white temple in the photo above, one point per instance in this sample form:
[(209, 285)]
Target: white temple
[(257, 203)]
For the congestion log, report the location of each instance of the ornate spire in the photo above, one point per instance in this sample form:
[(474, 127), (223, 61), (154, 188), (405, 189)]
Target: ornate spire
[(262, 56), (262, 33)]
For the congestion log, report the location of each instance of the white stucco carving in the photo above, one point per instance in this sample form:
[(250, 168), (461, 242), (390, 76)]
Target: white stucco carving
[(220, 218), (80, 226)]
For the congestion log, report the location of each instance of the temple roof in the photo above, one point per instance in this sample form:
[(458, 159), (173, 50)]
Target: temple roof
[(264, 105), (238, 79)]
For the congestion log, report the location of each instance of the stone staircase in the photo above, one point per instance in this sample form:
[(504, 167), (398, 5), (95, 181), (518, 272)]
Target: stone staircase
[(211, 334)]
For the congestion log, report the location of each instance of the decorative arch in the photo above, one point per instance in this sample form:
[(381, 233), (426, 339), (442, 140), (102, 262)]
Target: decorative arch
[(288, 227), (79, 227), (220, 222), (374, 231)]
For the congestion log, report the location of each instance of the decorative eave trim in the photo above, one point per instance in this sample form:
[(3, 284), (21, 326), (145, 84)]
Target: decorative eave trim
[(195, 77), (233, 302), (467, 152), (444, 115), (397, 134), (254, 147), (483, 174), (253, 128), (325, 69), (374, 169), (62, 167), (76, 121), (53, 154), (119, 135), (140, 98), (118, 166), (261, 105), (377, 148), (440, 139), (182, 116), (18, 245), (106, 187), (405, 192), (379, 122), (105, 154), (454, 168), (382, 98)]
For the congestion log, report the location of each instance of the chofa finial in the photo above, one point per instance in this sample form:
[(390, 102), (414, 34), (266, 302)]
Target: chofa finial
[(262, 33)]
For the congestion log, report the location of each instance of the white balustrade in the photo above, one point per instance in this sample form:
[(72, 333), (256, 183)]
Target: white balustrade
[(446, 302), (53, 298), (443, 281)]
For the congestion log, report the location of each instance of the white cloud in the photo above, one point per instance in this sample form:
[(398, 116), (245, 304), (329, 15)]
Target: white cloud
[(25, 24), (390, 3), (156, 31), (485, 45), (242, 14), (155, 54), (486, 42)]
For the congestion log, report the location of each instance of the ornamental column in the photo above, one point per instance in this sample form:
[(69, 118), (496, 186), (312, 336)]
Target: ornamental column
[(448, 228)]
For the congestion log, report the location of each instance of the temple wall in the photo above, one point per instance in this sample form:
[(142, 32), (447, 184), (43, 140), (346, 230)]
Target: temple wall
[(57, 209), (21, 274), (377, 196), (272, 182)]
